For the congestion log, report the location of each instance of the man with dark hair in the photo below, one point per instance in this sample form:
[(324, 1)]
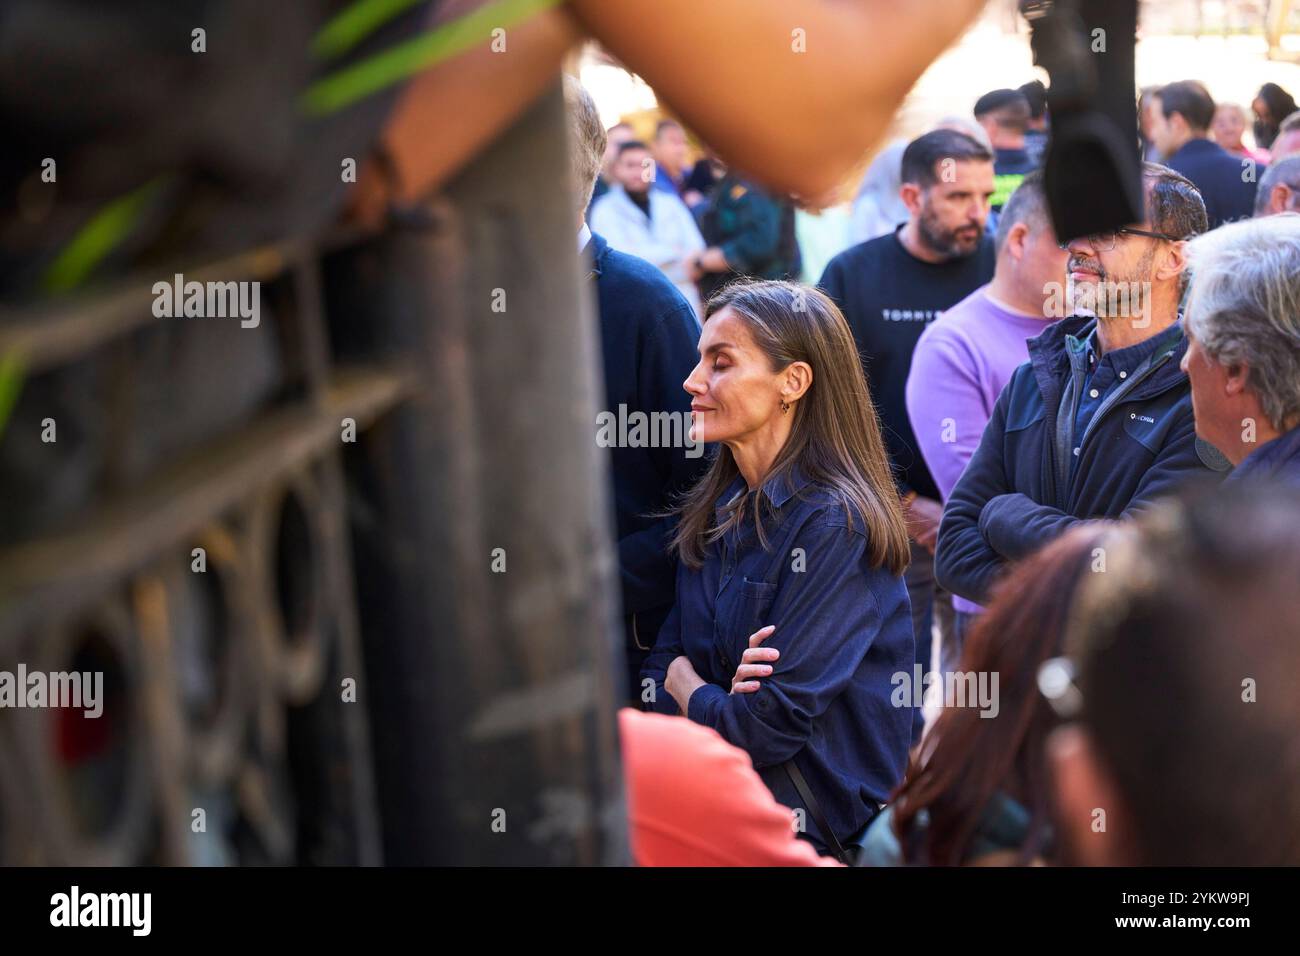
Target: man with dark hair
[(1180, 128), (1099, 422), (1005, 116), (648, 334), (964, 359), (890, 288)]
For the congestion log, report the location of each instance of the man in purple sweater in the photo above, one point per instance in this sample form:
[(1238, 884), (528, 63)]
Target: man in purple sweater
[(965, 357)]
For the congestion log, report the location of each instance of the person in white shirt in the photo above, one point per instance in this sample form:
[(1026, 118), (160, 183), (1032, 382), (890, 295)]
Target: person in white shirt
[(650, 223)]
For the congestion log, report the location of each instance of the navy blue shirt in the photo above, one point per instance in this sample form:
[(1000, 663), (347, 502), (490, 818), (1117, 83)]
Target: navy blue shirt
[(1228, 192), (1104, 376), (648, 336), (1277, 460), (1013, 162), (844, 630)]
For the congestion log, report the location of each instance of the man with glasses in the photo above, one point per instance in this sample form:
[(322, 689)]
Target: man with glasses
[(1099, 422)]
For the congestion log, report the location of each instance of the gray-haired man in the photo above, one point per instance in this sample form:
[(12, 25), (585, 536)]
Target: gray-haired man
[(1279, 188), (1243, 355)]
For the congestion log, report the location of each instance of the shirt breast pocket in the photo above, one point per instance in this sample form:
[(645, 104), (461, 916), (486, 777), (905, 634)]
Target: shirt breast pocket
[(750, 612)]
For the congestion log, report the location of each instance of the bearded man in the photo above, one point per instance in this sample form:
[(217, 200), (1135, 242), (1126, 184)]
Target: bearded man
[(1099, 422), (892, 287)]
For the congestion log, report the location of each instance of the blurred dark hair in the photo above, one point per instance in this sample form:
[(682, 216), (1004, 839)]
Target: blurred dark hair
[(1009, 109), (1191, 99), (1207, 599), (1281, 104), (1036, 93), (924, 153), (966, 758), (632, 144)]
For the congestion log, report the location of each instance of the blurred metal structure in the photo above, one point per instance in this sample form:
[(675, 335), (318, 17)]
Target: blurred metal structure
[(1275, 25), (278, 546)]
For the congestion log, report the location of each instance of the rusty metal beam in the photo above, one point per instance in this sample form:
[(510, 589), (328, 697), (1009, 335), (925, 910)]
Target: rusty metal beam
[(48, 335), (117, 538)]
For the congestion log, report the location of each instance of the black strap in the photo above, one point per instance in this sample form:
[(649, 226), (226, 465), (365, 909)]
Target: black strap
[(813, 807)]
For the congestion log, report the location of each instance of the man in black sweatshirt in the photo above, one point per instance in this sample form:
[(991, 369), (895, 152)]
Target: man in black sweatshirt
[(890, 289)]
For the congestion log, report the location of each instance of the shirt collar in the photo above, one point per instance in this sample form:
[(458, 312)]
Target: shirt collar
[(1129, 358), (584, 237), (737, 487), (595, 254), (779, 488)]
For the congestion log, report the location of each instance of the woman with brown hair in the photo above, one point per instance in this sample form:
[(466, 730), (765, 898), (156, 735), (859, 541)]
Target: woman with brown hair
[(977, 790), (791, 614)]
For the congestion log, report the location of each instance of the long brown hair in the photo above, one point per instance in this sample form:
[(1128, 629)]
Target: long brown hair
[(967, 758), (835, 436)]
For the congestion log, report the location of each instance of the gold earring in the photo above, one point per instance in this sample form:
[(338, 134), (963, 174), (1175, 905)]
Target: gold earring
[(785, 407)]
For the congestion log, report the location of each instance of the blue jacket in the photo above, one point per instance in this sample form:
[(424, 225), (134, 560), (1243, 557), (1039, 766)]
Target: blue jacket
[(844, 630), (648, 337), (1278, 460), (1019, 491), (1228, 193)]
